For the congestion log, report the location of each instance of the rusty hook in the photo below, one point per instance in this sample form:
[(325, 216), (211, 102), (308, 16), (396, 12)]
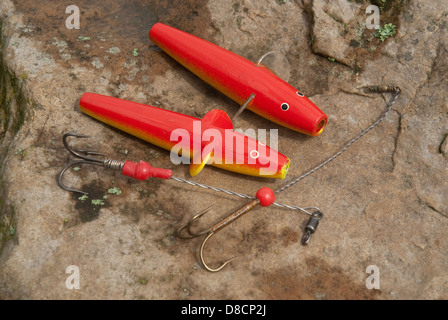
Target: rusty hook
[(264, 197)]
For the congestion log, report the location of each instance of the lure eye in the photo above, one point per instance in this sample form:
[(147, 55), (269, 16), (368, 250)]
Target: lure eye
[(285, 106), (254, 154), (299, 94)]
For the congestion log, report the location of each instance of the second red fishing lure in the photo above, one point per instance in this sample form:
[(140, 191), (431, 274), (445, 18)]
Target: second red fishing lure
[(210, 140), (239, 78)]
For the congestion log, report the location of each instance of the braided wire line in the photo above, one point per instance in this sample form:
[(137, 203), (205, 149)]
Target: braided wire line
[(323, 164), (377, 122), (241, 195)]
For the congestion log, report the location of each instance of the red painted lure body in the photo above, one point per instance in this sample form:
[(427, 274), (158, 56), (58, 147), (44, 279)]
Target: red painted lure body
[(238, 78), (210, 140)]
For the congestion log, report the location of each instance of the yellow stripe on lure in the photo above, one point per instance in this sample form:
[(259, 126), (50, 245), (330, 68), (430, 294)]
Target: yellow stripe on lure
[(239, 78), (210, 140)]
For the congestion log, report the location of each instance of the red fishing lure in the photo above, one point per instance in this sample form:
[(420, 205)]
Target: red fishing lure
[(238, 78), (210, 140)]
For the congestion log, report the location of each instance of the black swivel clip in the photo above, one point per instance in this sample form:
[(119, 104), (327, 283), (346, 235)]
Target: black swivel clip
[(311, 226)]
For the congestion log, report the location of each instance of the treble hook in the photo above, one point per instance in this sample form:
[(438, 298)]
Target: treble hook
[(139, 171), (84, 155), (265, 197)]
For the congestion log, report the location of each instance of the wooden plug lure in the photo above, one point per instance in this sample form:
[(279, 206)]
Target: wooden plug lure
[(239, 79), (210, 140)]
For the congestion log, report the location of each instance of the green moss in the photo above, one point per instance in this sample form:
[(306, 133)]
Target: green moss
[(8, 226), (21, 153), (114, 190), (13, 111), (11, 96), (83, 197), (97, 202), (388, 30)]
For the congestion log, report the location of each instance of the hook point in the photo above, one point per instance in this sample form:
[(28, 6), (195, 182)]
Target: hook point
[(187, 226), (201, 253)]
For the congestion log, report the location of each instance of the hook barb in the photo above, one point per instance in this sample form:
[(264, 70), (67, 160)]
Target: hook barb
[(84, 155), (61, 174), (187, 227)]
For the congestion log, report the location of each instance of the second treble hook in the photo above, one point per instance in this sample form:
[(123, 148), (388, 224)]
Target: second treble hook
[(264, 197)]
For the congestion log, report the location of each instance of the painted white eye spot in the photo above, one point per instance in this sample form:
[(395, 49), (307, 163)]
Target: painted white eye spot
[(254, 154), (285, 106), (300, 94)]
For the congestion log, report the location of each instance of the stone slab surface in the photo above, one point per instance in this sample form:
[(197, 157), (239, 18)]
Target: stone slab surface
[(384, 199)]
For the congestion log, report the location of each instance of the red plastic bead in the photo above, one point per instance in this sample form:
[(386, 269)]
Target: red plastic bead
[(143, 170), (266, 196)]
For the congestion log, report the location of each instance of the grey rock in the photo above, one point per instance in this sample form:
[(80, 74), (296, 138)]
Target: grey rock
[(384, 199)]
